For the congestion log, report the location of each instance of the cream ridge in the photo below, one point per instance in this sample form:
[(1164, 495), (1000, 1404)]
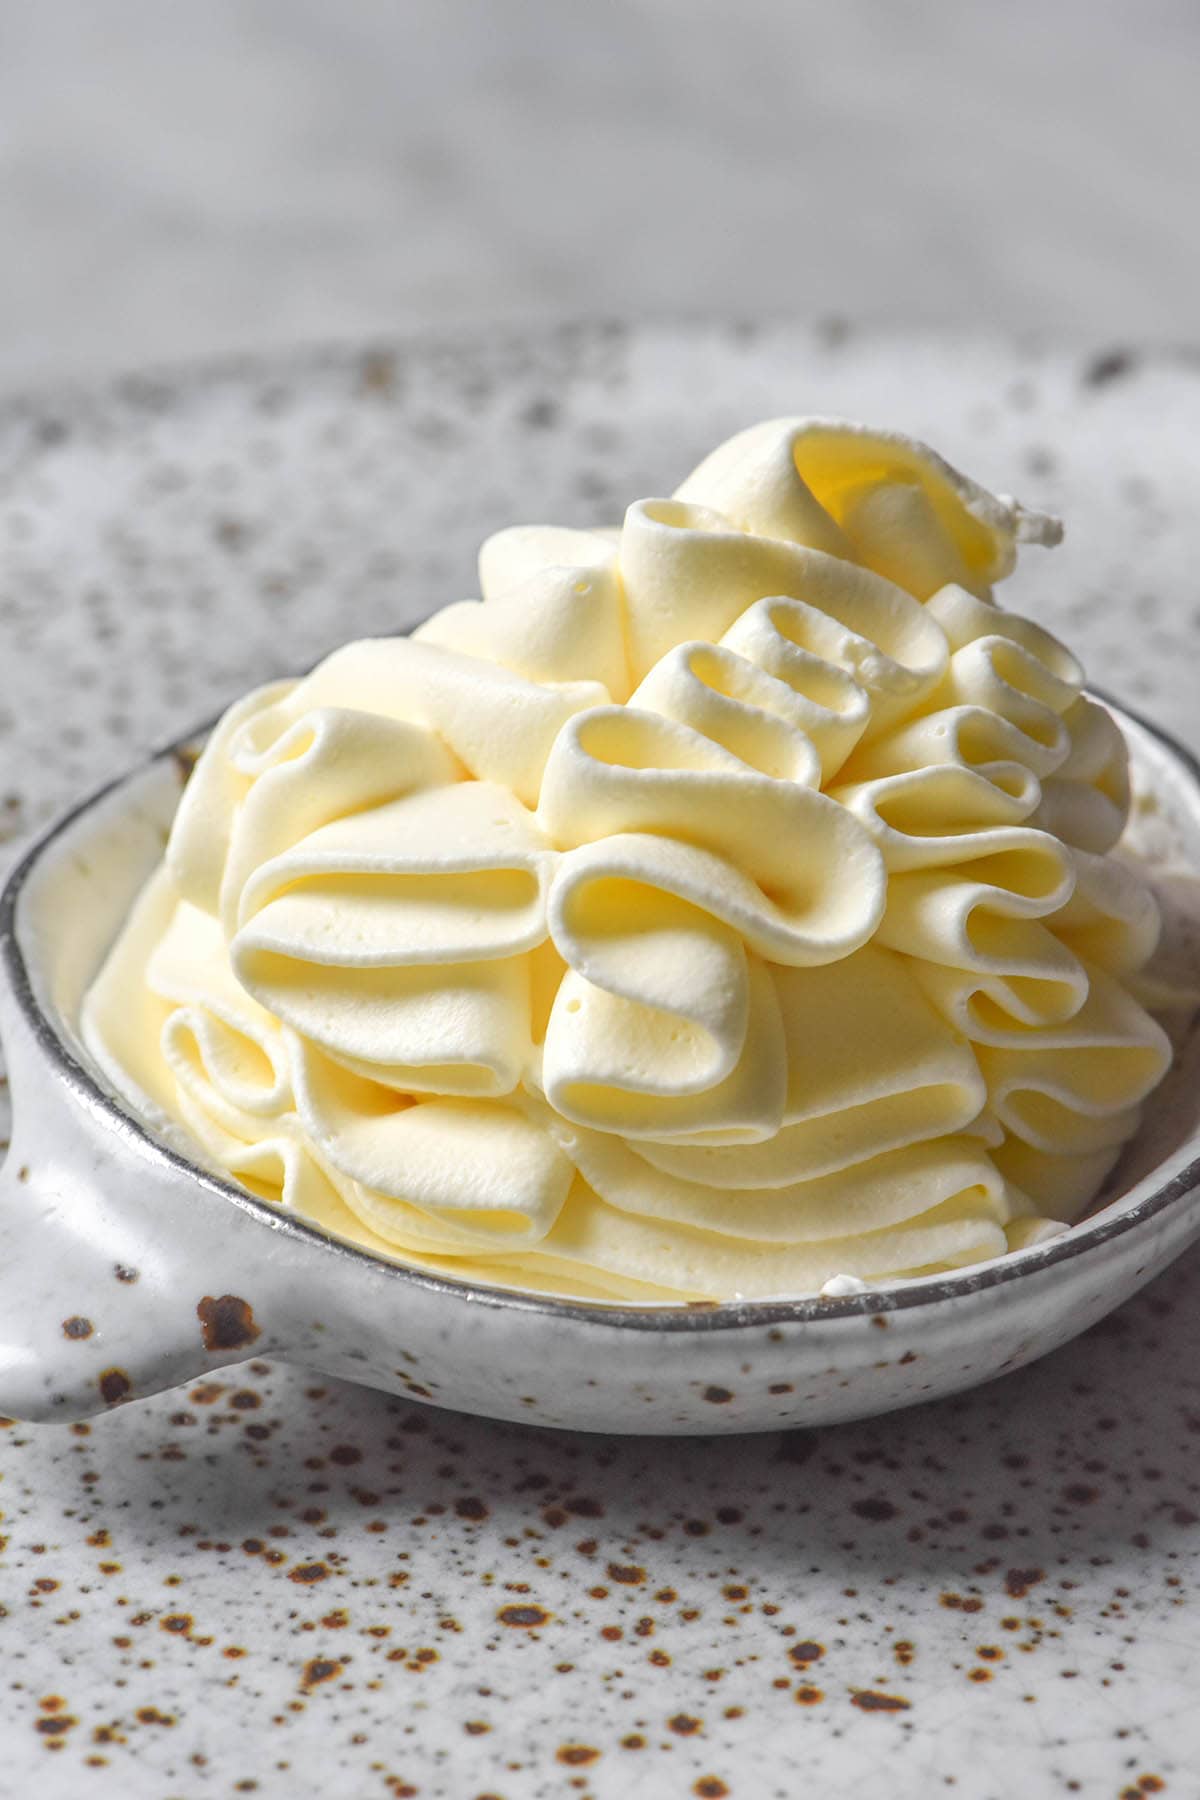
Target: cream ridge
[(721, 905)]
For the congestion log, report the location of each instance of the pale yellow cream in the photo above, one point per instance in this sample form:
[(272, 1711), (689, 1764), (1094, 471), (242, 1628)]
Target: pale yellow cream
[(721, 905)]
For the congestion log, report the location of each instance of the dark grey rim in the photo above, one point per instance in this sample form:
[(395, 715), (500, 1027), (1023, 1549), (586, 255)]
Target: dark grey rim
[(702, 1316)]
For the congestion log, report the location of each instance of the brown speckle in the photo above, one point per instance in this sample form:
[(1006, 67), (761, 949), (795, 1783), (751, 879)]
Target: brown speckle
[(683, 1724), (867, 1700), (115, 1385), (628, 1574), (307, 1573), (320, 1669), (576, 1755), (77, 1327), (1018, 1582), (971, 1603), (226, 1323), (56, 1725), (717, 1396), (710, 1787), (807, 1652), (470, 1508), (524, 1618), (125, 1274)]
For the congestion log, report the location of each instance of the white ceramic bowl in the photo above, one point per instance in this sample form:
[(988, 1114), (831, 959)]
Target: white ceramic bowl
[(126, 1268)]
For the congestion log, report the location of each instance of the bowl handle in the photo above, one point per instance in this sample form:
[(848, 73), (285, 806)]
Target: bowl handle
[(120, 1273)]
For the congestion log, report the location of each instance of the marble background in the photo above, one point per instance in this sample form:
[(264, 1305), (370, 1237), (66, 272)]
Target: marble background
[(179, 180)]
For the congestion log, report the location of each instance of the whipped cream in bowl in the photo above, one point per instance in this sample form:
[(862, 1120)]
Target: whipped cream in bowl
[(728, 926)]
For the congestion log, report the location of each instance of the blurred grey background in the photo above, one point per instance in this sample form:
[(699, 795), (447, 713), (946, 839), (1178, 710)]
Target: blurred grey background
[(188, 178)]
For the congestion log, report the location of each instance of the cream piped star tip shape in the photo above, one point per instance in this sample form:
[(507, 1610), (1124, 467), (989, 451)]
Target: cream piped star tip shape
[(722, 905)]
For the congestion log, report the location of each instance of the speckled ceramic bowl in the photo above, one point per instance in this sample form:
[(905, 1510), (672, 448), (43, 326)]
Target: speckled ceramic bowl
[(125, 1268)]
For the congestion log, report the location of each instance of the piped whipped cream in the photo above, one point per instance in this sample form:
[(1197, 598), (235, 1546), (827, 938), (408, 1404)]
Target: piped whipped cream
[(723, 905)]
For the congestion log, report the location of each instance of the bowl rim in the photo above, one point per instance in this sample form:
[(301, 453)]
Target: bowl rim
[(701, 1316)]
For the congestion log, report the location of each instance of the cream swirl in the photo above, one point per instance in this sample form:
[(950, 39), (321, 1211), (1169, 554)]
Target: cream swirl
[(719, 904)]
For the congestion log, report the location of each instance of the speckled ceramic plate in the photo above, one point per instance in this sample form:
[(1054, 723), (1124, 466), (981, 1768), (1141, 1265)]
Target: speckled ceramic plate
[(276, 1583)]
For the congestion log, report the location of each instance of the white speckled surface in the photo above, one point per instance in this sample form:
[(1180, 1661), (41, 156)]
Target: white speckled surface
[(282, 1585)]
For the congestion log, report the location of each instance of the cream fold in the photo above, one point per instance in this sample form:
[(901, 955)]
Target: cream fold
[(720, 905)]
